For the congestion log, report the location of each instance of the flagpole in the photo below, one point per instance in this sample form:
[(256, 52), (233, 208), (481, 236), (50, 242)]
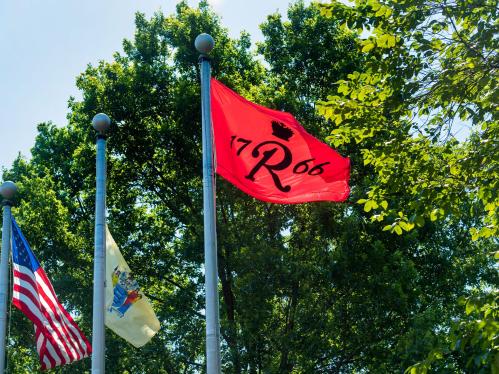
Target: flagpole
[(204, 43), (7, 190), (101, 123)]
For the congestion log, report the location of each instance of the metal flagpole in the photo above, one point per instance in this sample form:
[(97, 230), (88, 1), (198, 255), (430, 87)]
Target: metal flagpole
[(7, 190), (204, 44), (101, 123)]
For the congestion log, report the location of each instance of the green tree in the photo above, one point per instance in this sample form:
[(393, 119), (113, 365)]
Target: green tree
[(473, 339), (311, 288), (430, 67), (431, 72)]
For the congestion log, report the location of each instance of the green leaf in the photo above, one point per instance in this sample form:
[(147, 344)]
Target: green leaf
[(367, 47), (474, 233), (380, 12), (438, 355), (374, 5), (368, 206), (419, 221), (470, 307), (434, 215), (343, 89), (391, 41)]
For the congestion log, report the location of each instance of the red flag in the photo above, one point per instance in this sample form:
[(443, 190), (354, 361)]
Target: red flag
[(269, 155)]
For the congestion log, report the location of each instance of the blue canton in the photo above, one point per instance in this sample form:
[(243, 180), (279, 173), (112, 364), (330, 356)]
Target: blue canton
[(21, 252)]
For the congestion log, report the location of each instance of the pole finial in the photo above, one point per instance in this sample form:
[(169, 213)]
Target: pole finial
[(101, 123), (204, 43), (8, 190)]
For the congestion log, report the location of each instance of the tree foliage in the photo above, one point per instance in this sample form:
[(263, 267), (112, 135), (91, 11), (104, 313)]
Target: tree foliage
[(311, 288), (473, 338), (431, 72)]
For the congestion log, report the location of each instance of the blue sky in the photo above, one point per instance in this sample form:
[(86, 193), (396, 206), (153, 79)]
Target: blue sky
[(46, 44)]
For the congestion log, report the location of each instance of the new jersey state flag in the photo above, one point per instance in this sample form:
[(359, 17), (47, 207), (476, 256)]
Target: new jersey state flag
[(269, 155), (128, 312)]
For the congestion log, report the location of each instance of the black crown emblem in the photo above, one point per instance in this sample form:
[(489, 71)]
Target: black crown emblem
[(280, 130)]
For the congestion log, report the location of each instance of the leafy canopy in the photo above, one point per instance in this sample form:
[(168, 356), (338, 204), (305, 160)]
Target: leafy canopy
[(423, 108), (312, 288), (424, 111)]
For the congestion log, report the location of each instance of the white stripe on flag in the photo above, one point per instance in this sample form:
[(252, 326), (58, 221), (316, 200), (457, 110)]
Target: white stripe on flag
[(52, 318), (39, 315), (78, 343), (52, 352)]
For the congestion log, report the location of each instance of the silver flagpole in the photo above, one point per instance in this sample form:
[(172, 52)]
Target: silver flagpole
[(101, 123), (7, 190), (204, 44)]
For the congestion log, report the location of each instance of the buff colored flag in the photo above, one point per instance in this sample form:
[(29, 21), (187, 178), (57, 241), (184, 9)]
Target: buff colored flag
[(128, 311)]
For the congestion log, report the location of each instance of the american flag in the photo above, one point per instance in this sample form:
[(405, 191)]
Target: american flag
[(59, 341)]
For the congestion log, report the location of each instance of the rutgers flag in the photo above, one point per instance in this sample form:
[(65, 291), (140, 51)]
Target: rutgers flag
[(270, 156)]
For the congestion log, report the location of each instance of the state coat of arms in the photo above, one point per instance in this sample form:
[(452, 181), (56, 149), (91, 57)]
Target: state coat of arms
[(125, 290)]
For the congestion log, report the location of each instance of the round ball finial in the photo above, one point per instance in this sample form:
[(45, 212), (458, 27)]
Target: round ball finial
[(204, 43), (101, 123), (8, 189)]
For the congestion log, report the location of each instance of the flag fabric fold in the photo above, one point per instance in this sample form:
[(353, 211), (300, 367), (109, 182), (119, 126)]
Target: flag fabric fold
[(59, 340), (128, 311), (269, 155)]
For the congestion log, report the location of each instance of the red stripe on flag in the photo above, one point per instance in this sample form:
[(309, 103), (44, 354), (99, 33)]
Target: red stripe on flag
[(54, 305), (27, 310), (74, 331), (41, 306), (61, 340)]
